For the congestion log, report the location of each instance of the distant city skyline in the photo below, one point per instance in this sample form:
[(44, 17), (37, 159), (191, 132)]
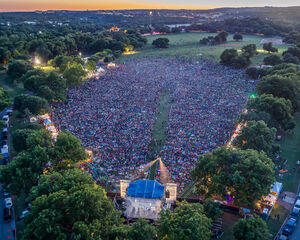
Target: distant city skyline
[(31, 5)]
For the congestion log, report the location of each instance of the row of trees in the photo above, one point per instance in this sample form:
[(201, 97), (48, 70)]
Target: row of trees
[(231, 57), (49, 42), (211, 40)]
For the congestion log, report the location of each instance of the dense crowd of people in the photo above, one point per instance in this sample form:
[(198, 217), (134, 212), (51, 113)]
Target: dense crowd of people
[(114, 116)]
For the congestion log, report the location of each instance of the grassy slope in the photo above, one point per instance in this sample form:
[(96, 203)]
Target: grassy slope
[(187, 44), (159, 128)]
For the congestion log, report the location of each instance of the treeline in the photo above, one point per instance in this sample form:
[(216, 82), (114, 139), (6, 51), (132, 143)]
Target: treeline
[(245, 25), (48, 43)]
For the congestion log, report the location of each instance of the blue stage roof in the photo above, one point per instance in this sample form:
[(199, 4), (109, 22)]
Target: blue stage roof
[(145, 189)]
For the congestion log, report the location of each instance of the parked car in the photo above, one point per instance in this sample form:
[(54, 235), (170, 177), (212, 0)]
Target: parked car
[(6, 194), (297, 204), (295, 213), (23, 214), (8, 202), (9, 112), (7, 214), (283, 237), (289, 226), (5, 118)]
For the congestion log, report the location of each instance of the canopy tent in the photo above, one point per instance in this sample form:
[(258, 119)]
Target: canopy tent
[(47, 122), (146, 189)]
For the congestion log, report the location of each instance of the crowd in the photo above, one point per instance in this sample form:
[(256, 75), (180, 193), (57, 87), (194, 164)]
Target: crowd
[(114, 116)]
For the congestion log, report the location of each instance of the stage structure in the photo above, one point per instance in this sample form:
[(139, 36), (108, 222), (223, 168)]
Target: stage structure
[(146, 198)]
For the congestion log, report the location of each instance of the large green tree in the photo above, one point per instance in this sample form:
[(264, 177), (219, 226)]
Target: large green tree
[(22, 172), (74, 75), (257, 136), (244, 175), (69, 206), (141, 230), (251, 228), (36, 105), (18, 68), (279, 109), (161, 43), (67, 149), (188, 221), (282, 86)]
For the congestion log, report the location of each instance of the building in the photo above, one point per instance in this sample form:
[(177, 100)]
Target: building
[(146, 198)]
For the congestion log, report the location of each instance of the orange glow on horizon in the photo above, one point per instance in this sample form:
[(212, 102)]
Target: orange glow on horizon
[(32, 5)]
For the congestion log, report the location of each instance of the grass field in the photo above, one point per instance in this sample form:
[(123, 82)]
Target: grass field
[(187, 45), (290, 147), (159, 134)]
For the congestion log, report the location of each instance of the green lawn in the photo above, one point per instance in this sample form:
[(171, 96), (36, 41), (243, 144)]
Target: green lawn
[(159, 134), (187, 45), (13, 89), (273, 224), (290, 147)]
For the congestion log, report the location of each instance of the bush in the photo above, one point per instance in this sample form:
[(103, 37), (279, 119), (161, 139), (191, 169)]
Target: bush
[(161, 43), (272, 60)]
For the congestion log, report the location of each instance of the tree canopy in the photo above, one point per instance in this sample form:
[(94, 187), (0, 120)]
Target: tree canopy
[(279, 109), (161, 43), (244, 175), (282, 86), (251, 228), (188, 221), (257, 136), (69, 206)]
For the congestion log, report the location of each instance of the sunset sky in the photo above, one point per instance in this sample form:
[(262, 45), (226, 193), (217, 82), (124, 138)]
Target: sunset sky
[(29, 5)]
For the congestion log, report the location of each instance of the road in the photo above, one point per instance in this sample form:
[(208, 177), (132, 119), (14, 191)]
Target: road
[(6, 228), (296, 233)]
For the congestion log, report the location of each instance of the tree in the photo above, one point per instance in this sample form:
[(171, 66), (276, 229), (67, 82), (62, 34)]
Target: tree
[(4, 99), (141, 230), (91, 65), (228, 55), (16, 69), (240, 62), (221, 37), (257, 136), (161, 43), (282, 86), (22, 173), (188, 221), (69, 205), (238, 37), (244, 175), (251, 228), (272, 60), (19, 139), (280, 109), (67, 149), (269, 47), (40, 137), (57, 84), (74, 75), (36, 105), (255, 73), (289, 58), (249, 51)]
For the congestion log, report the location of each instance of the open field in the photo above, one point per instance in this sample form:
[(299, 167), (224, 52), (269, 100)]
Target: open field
[(291, 152), (187, 45)]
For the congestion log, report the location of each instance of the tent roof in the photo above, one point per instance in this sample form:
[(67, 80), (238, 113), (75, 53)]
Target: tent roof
[(277, 187), (47, 122), (146, 189)]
